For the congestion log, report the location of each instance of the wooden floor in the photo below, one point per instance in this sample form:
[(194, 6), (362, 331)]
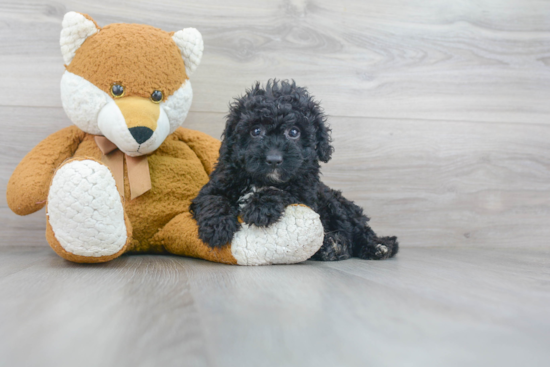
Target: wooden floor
[(441, 122), (427, 307)]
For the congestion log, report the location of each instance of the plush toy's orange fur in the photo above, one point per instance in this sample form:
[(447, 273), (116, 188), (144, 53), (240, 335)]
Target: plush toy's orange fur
[(151, 61), (160, 218)]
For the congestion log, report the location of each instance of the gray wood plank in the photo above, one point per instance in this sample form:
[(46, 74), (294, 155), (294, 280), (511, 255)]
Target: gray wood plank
[(427, 307), (446, 182), (441, 60), (15, 258), (136, 311)]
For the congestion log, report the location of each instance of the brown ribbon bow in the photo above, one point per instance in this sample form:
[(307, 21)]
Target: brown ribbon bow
[(139, 176)]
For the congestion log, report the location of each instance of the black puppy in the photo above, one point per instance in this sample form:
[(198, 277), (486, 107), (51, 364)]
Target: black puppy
[(272, 144)]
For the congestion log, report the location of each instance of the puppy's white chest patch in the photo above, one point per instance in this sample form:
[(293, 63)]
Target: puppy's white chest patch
[(247, 196)]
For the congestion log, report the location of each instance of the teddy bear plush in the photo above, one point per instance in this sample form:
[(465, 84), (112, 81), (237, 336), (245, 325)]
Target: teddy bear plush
[(123, 177)]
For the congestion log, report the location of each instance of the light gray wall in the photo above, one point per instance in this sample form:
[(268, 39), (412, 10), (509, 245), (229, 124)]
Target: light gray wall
[(440, 109)]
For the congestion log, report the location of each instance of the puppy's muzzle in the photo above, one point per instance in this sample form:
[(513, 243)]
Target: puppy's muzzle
[(274, 159)]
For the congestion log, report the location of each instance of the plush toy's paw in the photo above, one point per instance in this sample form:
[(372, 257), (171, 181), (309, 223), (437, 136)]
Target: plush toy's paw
[(334, 248), (85, 212), (384, 248), (218, 231), (264, 208), (294, 238)]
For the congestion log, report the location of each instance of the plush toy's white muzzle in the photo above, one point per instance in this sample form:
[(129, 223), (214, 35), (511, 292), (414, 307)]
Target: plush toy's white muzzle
[(134, 138), (97, 113)]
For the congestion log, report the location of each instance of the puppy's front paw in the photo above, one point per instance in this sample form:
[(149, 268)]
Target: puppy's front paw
[(264, 207), (262, 215), (218, 231)]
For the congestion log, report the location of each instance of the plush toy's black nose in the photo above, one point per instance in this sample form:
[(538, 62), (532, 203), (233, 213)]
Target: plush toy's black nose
[(141, 133), (274, 159)]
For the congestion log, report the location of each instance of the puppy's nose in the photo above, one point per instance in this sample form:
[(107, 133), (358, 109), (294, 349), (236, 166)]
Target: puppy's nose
[(141, 133), (274, 160)]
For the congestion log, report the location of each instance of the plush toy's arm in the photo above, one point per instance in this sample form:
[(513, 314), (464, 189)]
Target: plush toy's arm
[(28, 186), (205, 147)]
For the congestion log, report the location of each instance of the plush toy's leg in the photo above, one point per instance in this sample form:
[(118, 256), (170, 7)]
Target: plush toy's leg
[(86, 222), (294, 238), (180, 237)]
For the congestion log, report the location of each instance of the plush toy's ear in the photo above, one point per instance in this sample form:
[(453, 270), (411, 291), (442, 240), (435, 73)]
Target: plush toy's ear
[(189, 41), (76, 28)]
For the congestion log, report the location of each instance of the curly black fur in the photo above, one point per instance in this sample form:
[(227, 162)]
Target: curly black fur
[(260, 152)]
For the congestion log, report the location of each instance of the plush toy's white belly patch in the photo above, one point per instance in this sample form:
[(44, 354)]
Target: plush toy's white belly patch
[(85, 210)]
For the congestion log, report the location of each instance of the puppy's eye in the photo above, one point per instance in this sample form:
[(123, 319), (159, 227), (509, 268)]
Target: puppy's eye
[(156, 96), (117, 90), (293, 133), (256, 131)]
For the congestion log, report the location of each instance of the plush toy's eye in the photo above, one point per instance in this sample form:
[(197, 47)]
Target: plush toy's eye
[(156, 96), (256, 131), (293, 133), (117, 90)]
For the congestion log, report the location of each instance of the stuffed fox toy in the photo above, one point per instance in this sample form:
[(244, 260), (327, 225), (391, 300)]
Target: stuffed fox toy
[(122, 178)]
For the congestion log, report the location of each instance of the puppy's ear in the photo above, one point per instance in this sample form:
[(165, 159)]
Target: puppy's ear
[(323, 138), (227, 137), (225, 150)]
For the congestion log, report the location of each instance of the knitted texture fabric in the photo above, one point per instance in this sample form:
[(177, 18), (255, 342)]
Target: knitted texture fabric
[(190, 43), (76, 28)]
